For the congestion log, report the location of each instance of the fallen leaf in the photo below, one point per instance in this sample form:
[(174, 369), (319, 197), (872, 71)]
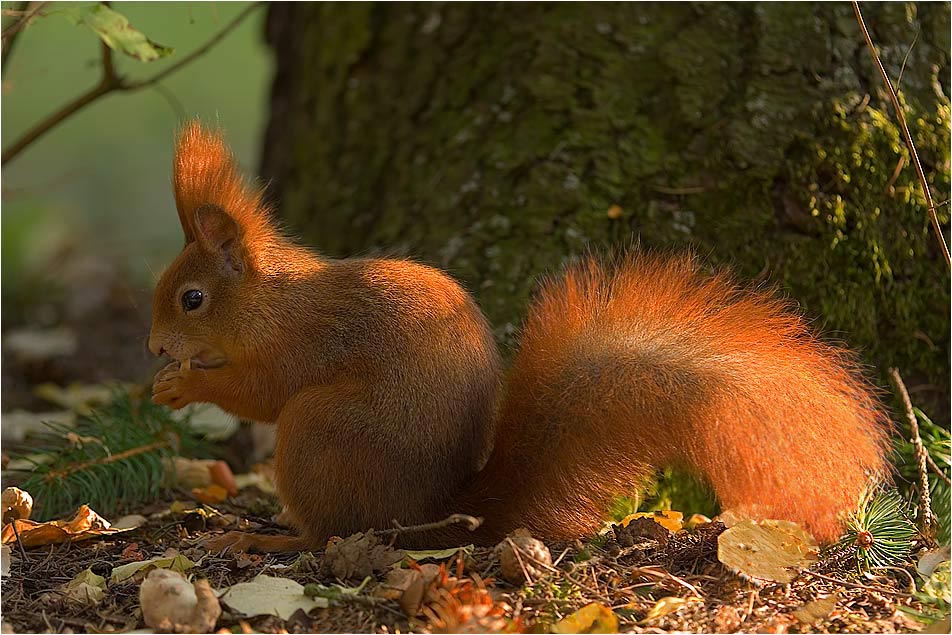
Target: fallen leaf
[(695, 521), (265, 595), (178, 563), (85, 588), (255, 479), (188, 473), (172, 604), (409, 586), (358, 556), (37, 345), (84, 525), (928, 561), (438, 554), (20, 423), (132, 552), (16, 504), (209, 420), (816, 611), (81, 398), (223, 477), (666, 606), (669, 519), (211, 495), (767, 550), (130, 522), (591, 618)]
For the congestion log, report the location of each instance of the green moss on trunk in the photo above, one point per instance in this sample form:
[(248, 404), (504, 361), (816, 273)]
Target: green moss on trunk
[(492, 140)]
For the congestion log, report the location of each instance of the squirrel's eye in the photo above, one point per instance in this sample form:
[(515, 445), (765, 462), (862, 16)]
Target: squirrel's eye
[(192, 299)]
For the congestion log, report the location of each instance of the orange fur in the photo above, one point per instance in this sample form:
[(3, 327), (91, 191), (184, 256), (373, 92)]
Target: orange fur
[(204, 172), (384, 382), (652, 362)]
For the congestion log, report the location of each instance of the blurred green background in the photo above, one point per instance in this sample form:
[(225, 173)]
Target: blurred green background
[(99, 182)]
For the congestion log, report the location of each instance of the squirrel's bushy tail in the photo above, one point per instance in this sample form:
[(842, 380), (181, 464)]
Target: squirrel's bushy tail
[(650, 361)]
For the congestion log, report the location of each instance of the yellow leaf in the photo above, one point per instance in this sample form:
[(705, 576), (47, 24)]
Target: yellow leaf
[(667, 605), (177, 563), (671, 520), (592, 618), (767, 550)]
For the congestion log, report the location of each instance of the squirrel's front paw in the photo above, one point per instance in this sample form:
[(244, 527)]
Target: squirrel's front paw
[(170, 386)]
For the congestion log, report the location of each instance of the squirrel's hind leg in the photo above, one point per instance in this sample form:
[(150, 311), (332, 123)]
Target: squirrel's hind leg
[(243, 541)]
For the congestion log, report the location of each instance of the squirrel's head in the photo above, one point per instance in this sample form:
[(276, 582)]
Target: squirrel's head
[(196, 306)]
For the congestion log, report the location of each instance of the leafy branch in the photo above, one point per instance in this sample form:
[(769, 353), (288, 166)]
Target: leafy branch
[(111, 81)]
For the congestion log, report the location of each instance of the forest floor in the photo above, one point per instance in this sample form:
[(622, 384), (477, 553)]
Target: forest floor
[(658, 581), (675, 583)]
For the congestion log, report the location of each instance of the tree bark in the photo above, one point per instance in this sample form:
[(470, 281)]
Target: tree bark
[(500, 140)]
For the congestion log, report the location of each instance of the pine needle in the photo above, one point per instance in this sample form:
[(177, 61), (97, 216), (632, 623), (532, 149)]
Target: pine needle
[(110, 460)]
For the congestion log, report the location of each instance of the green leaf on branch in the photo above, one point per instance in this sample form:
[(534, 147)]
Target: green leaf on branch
[(114, 29)]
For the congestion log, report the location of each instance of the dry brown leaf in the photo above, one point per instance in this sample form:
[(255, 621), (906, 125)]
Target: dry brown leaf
[(84, 525), (358, 556), (85, 588)]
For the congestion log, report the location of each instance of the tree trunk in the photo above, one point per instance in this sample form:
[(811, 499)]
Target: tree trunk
[(499, 140)]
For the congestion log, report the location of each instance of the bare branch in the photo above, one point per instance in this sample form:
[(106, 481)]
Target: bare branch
[(110, 81)]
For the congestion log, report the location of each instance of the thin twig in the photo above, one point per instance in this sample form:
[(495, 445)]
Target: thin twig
[(16, 532), (471, 522), (938, 470), (905, 59), (906, 134), (854, 585), (142, 449), (110, 82), (11, 33), (926, 518), (201, 50)]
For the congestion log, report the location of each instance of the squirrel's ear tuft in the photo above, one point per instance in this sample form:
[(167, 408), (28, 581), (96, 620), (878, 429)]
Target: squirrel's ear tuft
[(205, 174)]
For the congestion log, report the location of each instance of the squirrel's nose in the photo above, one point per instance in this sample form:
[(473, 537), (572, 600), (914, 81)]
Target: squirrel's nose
[(155, 346)]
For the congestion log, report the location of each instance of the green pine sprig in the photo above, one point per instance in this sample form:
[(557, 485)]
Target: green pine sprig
[(110, 460), (880, 532)]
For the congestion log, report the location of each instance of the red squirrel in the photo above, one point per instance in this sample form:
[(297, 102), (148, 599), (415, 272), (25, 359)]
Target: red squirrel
[(386, 385)]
